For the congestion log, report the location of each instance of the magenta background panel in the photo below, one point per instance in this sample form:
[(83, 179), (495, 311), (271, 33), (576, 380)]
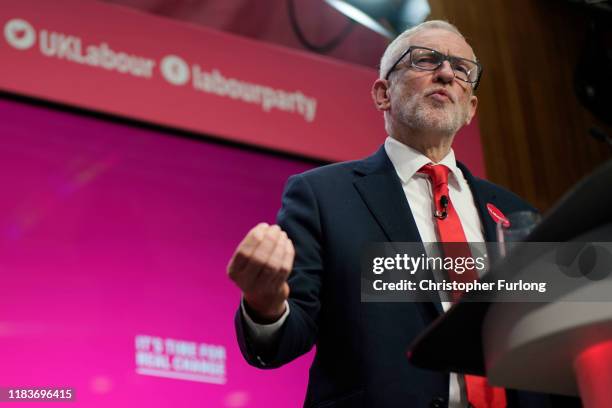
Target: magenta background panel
[(109, 232)]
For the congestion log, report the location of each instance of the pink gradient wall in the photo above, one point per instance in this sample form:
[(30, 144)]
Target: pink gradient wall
[(109, 232)]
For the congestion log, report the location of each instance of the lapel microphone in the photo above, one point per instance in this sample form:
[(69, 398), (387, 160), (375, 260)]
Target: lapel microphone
[(444, 204)]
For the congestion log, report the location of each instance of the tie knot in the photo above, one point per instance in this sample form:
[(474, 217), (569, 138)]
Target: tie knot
[(438, 173)]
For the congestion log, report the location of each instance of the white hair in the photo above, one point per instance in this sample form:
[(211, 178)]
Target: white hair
[(397, 46)]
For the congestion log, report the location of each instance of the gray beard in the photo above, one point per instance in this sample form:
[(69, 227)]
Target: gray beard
[(425, 117)]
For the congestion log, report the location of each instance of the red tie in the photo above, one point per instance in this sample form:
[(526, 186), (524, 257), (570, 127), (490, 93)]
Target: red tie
[(480, 394)]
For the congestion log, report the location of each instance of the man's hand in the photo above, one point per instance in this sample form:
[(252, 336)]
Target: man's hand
[(260, 267)]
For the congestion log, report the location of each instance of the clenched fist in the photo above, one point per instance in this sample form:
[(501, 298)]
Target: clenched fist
[(260, 267)]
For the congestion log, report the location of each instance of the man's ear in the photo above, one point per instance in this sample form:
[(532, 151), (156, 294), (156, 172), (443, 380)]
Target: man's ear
[(472, 109), (380, 94)]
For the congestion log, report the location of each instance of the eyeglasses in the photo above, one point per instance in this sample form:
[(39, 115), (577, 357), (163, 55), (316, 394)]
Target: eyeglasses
[(426, 59)]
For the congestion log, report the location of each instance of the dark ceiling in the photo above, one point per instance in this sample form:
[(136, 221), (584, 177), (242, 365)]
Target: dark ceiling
[(268, 20)]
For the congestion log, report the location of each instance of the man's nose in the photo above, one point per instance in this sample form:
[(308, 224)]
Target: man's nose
[(444, 73)]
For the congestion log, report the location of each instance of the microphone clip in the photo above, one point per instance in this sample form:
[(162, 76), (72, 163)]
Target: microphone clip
[(441, 215)]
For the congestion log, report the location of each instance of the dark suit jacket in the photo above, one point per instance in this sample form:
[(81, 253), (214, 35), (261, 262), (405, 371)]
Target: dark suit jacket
[(330, 213)]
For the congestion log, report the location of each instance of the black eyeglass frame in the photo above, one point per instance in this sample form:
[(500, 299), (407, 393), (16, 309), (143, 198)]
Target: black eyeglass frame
[(449, 58)]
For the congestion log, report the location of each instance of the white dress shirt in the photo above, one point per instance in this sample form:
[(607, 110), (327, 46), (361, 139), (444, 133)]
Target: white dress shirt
[(419, 193), (417, 188)]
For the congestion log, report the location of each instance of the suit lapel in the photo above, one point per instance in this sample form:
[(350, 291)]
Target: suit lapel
[(381, 190), (482, 197)]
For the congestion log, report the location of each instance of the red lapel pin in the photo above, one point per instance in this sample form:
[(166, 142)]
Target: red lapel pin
[(497, 215)]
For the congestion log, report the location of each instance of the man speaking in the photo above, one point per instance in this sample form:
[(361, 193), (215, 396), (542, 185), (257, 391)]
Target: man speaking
[(300, 279)]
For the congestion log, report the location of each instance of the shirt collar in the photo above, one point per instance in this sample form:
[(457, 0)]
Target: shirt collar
[(407, 161)]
